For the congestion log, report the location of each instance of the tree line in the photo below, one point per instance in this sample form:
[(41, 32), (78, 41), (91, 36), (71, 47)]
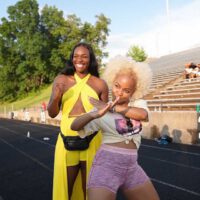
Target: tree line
[(34, 45)]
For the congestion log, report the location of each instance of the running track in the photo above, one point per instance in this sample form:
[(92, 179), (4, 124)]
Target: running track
[(26, 164)]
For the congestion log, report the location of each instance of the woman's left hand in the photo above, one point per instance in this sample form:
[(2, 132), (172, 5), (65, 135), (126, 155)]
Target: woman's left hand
[(101, 105), (97, 103)]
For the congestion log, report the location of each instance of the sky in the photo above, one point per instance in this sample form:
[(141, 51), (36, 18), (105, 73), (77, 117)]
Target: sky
[(160, 27)]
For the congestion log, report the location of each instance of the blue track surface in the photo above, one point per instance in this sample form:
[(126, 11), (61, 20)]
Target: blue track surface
[(26, 164)]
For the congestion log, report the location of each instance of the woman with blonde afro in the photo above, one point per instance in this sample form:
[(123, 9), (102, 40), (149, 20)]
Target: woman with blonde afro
[(115, 165)]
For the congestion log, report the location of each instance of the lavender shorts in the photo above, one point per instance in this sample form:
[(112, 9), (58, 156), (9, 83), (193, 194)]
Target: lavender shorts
[(115, 168)]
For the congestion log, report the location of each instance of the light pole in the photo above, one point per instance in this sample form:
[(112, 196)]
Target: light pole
[(168, 26)]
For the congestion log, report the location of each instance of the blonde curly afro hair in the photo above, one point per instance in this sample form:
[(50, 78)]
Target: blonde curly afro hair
[(125, 65)]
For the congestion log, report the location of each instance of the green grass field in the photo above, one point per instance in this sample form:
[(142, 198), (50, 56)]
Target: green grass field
[(31, 100)]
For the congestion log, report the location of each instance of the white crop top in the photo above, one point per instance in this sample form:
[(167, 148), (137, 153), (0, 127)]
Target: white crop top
[(117, 128)]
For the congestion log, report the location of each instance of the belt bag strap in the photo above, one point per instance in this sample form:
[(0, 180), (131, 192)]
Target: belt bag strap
[(77, 143), (89, 137)]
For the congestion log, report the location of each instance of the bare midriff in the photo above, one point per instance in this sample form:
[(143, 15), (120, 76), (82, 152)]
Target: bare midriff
[(130, 145)]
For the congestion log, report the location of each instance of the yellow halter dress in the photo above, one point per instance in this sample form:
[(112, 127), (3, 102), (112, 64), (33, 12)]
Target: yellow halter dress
[(69, 99)]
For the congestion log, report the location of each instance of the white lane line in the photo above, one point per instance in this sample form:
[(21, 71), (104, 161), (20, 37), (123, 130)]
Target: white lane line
[(27, 155), (40, 126), (174, 163), (176, 187), (179, 151), (31, 138), (25, 124)]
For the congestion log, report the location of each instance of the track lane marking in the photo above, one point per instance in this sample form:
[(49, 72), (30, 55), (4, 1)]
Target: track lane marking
[(170, 162), (176, 187), (27, 155), (179, 151), (31, 138)]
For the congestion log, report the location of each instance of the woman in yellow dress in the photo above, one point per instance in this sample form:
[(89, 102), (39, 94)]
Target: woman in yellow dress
[(70, 92)]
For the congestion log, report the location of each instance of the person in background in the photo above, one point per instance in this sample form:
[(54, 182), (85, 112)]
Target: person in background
[(115, 165), (187, 71), (44, 106), (198, 73), (194, 72), (70, 92)]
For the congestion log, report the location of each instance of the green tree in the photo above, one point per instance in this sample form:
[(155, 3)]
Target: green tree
[(52, 27), (137, 53), (21, 50), (34, 47), (96, 35)]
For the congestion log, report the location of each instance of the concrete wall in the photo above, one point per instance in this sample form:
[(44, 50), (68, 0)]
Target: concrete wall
[(180, 125), (33, 116)]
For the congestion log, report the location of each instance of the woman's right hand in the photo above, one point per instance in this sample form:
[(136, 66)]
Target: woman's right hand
[(58, 91)]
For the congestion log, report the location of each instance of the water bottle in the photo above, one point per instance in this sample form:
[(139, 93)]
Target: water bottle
[(198, 108)]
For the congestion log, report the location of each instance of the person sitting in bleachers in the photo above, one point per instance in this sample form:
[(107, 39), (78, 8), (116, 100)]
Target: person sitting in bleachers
[(188, 70), (198, 73), (194, 72)]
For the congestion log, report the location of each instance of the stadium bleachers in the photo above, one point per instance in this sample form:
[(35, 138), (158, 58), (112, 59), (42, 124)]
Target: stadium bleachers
[(169, 91), (176, 97)]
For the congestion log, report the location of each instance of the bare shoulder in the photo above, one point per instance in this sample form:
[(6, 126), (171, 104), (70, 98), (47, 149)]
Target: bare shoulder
[(61, 78), (98, 83)]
